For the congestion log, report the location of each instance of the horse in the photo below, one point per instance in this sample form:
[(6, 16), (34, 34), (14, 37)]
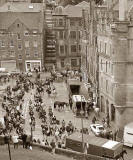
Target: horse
[(60, 104)]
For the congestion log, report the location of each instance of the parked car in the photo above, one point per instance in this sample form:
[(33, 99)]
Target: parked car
[(97, 129)]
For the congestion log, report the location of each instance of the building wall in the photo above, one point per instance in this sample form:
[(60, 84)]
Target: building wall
[(115, 70), (67, 59), (89, 50), (31, 43)]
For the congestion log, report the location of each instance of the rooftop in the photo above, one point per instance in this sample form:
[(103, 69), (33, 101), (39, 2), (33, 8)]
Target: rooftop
[(21, 7)]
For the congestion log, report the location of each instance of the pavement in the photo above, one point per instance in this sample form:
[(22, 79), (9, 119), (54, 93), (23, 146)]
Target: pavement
[(67, 114), (25, 154)]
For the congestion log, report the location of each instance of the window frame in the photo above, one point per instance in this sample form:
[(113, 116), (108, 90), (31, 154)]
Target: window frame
[(75, 48)]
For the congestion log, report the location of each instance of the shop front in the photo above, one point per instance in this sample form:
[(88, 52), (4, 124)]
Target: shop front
[(32, 64), (9, 65)]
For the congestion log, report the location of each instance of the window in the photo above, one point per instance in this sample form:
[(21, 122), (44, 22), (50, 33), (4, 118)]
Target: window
[(61, 35), (107, 89), (26, 33), (18, 25), (19, 37), (112, 69), (62, 49), (62, 63), (19, 46), (110, 49), (106, 66), (73, 48), (101, 64), (79, 48), (101, 82), (80, 34), (74, 62), (2, 43), (19, 56), (27, 53), (35, 44), (60, 22), (66, 48), (112, 90), (100, 49), (34, 33), (80, 22), (105, 51), (35, 54), (72, 22), (27, 44), (11, 43), (73, 34), (12, 54)]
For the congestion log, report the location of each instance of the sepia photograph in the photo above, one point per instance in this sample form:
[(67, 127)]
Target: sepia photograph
[(66, 79)]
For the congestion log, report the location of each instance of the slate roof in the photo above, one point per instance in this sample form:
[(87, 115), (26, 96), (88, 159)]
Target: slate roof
[(30, 17), (76, 11), (21, 7)]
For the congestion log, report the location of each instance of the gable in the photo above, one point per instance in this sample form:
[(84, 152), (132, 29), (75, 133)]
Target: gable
[(30, 20), (17, 25)]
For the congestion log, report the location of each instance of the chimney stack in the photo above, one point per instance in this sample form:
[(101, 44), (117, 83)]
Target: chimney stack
[(122, 10)]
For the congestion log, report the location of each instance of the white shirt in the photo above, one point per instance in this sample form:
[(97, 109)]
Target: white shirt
[(15, 139)]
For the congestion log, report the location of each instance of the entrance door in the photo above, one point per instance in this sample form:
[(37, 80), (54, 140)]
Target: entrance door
[(107, 107), (102, 104), (28, 66), (21, 66), (112, 112)]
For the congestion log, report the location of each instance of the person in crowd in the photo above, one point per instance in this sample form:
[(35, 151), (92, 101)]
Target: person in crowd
[(52, 144), (15, 141), (24, 137)]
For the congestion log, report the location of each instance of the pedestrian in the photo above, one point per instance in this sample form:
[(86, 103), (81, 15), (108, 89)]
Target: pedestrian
[(94, 120), (107, 120), (52, 144), (24, 137), (28, 141), (15, 141)]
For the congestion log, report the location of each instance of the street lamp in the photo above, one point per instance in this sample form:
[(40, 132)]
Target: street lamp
[(82, 112)]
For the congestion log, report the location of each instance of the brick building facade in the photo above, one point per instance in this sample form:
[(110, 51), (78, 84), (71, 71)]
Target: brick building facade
[(21, 36)]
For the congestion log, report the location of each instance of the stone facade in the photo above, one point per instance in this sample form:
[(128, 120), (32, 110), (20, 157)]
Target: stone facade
[(89, 51), (115, 66), (21, 36), (68, 29)]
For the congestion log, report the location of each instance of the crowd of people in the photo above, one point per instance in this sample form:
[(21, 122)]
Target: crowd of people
[(54, 131)]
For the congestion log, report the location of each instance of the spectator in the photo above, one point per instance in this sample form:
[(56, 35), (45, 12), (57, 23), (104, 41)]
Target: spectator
[(52, 144), (15, 141), (46, 143), (28, 141), (24, 137)]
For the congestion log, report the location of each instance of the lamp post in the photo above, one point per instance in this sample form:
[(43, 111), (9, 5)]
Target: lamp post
[(82, 112), (9, 150)]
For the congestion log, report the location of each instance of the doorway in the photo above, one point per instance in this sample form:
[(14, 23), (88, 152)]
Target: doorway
[(112, 112)]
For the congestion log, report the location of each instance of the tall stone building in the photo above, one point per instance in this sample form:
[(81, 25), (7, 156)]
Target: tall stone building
[(89, 51), (114, 36), (21, 36), (68, 29)]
